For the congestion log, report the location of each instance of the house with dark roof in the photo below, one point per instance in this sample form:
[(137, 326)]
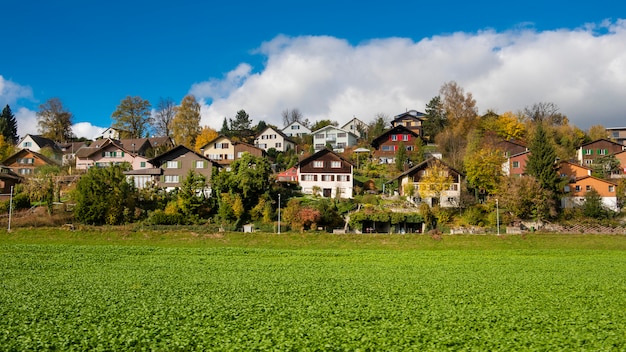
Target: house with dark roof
[(26, 161), (412, 120), (8, 179), (169, 169), (588, 153), (411, 181), (37, 143), (225, 151), (386, 145), (103, 153), (327, 174)]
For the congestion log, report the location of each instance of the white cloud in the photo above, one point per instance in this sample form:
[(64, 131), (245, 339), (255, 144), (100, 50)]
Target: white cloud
[(10, 92), (26, 121), (87, 130), (583, 71)]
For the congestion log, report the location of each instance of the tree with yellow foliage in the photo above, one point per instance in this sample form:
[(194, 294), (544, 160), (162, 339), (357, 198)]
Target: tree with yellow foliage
[(435, 181), (186, 123), (206, 135)]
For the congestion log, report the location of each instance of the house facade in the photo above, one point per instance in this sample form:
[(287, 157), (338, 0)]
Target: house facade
[(8, 180), (588, 153), (515, 165), (296, 129), (25, 161), (327, 174), (575, 192), (386, 145), (169, 169), (617, 134), (38, 144), (106, 153), (334, 137), (412, 120), (410, 182), (355, 126), (272, 138), (225, 151)]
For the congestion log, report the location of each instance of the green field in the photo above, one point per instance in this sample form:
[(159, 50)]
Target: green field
[(133, 290)]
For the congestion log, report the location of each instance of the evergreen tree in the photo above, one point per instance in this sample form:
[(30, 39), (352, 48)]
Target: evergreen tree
[(225, 131), (8, 125), (436, 121), (241, 126), (401, 157), (541, 161)]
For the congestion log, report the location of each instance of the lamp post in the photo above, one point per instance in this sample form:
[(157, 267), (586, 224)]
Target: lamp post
[(498, 216), (279, 213)]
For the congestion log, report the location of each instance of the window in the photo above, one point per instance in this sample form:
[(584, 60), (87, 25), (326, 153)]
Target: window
[(328, 178), (335, 164), (27, 144), (602, 151), (172, 164), (588, 161), (387, 148), (454, 187), (588, 188), (341, 145), (343, 178), (25, 171), (199, 164), (566, 189), (221, 145), (394, 137), (26, 161), (405, 137), (615, 134), (295, 127), (318, 163), (308, 177), (320, 135), (171, 178), (588, 151), (577, 188), (279, 145), (409, 148), (611, 188), (319, 146), (341, 135), (142, 164), (516, 164)]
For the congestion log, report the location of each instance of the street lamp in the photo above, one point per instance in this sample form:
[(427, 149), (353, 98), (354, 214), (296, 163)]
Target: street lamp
[(279, 213), (498, 216)]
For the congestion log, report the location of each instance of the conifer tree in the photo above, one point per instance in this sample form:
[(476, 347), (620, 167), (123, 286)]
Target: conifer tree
[(8, 125), (541, 161)]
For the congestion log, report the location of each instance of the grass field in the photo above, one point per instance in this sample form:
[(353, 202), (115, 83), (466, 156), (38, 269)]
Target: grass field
[(121, 289)]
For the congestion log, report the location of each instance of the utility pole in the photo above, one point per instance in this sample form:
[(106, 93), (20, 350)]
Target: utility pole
[(279, 213)]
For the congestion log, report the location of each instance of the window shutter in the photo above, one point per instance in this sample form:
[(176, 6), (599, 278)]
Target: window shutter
[(103, 154), (179, 164), (206, 164), (122, 154), (162, 178)]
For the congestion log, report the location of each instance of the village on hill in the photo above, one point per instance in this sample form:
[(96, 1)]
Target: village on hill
[(444, 169)]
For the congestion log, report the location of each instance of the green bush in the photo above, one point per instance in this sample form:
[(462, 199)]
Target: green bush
[(21, 201), (159, 217)]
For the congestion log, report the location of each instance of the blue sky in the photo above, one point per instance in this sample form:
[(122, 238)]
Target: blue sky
[(330, 59)]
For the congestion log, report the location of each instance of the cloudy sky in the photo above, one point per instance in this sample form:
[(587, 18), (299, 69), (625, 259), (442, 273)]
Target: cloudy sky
[(330, 59)]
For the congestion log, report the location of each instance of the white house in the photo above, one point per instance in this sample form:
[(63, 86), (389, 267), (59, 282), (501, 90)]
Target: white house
[(273, 138), (355, 126), (296, 129), (337, 138)]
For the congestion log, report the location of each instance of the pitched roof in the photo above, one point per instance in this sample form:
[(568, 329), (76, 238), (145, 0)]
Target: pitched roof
[(332, 127), (178, 150), (320, 153), (601, 140), (21, 152), (411, 114), (394, 130), (86, 152), (43, 141), (425, 164), (278, 131)]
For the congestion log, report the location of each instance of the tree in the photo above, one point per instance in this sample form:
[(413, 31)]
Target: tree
[(8, 126), (542, 159), (186, 123), (163, 116), (545, 112), (249, 178), (292, 116), (241, 126), (133, 116), (192, 196), (104, 196), (225, 130), (206, 135), (483, 165), (605, 165), (323, 123), (597, 132), (401, 157), (435, 181), (6, 149), (377, 126), (55, 121), (592, 207), (436, 118), (460, 108), (523, 198)]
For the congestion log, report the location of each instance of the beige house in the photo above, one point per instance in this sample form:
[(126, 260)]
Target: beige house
[(225, 151), (273, 138)]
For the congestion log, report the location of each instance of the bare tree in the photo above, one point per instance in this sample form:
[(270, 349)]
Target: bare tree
[(545, 112), (291, 116), (163, 117)]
